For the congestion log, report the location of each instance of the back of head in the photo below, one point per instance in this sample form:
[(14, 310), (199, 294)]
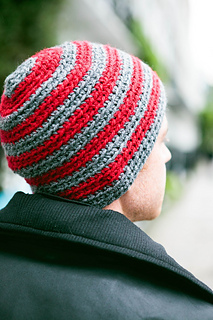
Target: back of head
[(79, 120)]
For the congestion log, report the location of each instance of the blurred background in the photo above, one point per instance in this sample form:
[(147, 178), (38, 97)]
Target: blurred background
[(175, 39)]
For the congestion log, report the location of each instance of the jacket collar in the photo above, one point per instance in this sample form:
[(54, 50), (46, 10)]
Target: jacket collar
[(73, 221)]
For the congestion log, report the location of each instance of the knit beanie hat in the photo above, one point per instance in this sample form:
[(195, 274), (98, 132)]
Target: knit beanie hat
[(79, 120)]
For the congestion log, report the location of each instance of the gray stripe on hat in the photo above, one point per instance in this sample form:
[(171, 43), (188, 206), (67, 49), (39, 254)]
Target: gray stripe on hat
[(112, 149), (109, 193), (15, 78), (66, 64), (93, 127), (64, 111)]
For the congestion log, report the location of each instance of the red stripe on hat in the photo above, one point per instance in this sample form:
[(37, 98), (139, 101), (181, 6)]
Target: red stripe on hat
[(112, 172), (46, 63), (80, 117), (103, 137), (56, 98)]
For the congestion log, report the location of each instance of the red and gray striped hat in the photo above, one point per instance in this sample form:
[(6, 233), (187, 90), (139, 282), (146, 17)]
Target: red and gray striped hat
[(79, 120)]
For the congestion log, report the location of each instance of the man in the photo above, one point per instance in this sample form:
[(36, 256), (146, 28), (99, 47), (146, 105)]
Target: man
[(85, 125)]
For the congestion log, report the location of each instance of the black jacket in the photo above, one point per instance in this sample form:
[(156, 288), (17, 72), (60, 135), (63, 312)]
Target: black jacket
[(63, 260)]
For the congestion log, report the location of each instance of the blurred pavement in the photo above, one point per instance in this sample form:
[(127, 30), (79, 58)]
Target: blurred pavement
[(186, 230)]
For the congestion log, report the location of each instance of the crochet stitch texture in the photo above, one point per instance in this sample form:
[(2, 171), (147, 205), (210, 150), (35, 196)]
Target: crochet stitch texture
[(79, 120)]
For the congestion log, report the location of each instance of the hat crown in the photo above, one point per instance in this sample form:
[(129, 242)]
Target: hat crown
[(79, 120)]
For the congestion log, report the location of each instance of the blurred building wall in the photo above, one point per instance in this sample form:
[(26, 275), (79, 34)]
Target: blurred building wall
[(93, 20), (166, 24)]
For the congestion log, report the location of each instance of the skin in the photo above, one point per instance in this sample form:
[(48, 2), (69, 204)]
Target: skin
[(144, 199)]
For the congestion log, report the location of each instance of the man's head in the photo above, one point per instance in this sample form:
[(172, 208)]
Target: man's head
[(80, 121)]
